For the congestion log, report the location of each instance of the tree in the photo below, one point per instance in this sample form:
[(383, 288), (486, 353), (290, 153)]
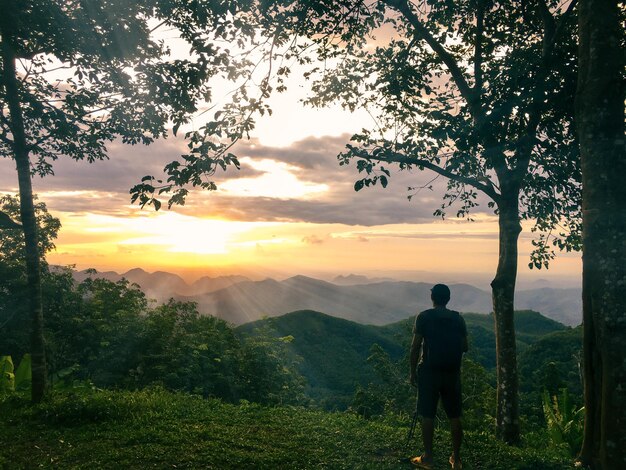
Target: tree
[(13, 290), (600, 126), (479, 93), (79, 74)]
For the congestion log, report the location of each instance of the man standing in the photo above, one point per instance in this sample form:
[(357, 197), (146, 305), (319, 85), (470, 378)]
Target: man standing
[(441, 336)]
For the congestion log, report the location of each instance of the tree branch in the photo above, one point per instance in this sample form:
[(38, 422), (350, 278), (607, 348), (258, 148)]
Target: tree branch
[(561, 24), (450, 62), (478, 51), (483, 185), (549, 26)]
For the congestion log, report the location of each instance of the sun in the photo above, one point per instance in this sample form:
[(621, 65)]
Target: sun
[(176, 233)]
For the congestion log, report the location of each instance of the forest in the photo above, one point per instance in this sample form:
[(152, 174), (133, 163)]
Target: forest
[(518, 107)]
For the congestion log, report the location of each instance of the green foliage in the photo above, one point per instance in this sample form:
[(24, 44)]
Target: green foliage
[(15, 380), (555, 357), (23, 374), (564, 421), (270, 370), (15, 323), (479, 396), (7, 377), (155, 428), (12, 246), (105, 333), (551, 363)]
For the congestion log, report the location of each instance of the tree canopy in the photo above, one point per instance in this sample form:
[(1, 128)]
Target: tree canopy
[(77, 75), (479, 93)]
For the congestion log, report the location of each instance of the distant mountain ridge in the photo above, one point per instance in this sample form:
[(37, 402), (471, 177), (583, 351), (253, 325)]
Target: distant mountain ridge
[(377, 303), (239, 300), (161, 285)]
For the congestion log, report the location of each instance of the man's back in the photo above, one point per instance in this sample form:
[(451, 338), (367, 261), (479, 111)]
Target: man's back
[(444, 338)]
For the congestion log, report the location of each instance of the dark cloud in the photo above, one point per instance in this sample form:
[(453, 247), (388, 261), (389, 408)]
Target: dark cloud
[(311, 157), (342, 208), (104, 186)]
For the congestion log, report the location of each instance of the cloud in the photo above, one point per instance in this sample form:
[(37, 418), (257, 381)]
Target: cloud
[(302, 182), (368, 235), (312, 240)]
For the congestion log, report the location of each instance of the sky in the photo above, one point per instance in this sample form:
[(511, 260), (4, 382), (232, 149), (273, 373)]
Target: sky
[(290, 209)]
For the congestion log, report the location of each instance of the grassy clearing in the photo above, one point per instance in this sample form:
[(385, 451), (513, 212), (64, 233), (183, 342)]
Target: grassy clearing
[(158, 429)]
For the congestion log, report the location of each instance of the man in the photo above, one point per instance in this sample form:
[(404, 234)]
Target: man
[(441, 336)]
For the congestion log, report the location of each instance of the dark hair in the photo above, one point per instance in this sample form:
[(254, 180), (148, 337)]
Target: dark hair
[(440, 294)]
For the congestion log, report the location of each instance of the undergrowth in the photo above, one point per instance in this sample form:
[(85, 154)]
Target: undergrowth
[(158, 429)]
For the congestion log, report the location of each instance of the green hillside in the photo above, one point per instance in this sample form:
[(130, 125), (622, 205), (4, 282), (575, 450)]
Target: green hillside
[(553, 363), (158, 429), (333, 352)]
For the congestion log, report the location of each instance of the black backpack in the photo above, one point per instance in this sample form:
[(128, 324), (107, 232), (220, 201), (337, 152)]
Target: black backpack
[(444, 336)]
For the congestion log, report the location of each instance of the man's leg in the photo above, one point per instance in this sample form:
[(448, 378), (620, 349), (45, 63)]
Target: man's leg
[(428, 432), (452, 403), (456, 430), (428, 396)]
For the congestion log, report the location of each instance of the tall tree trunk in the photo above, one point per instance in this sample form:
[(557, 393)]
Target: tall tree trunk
[(600, 126), (29, 222), (503, 293)]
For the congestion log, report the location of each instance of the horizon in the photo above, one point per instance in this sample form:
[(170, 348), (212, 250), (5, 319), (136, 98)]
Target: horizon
[(416, 276)]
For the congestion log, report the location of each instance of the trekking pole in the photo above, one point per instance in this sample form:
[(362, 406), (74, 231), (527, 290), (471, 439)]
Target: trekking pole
[(413, 424)]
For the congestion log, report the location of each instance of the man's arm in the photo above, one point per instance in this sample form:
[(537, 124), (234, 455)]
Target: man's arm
[(416, 344)]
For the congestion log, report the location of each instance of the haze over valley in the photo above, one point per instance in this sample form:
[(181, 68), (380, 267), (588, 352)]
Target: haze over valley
[(378, 301)]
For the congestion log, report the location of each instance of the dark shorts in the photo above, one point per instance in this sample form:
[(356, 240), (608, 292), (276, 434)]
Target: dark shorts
[(434, 383)]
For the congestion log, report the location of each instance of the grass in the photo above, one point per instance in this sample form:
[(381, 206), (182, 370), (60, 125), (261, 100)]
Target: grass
[(159, 429)]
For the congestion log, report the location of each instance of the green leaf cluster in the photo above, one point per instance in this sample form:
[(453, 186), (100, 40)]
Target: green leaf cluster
[(564, 421), (14, 380)]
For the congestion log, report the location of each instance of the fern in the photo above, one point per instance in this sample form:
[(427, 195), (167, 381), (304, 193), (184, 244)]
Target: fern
[(564, 421)]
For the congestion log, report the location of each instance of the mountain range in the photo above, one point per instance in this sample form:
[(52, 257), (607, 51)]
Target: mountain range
[(239, 300)]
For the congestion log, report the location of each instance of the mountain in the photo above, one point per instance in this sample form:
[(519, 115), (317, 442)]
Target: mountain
[(562, 305), (377, 303), (161, 285), (210, 284), (238, 300), (80, 276), (353, 279), (334, 351)]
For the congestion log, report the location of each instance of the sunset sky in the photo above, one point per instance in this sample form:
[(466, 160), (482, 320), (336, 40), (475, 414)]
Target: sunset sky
[(291, 209)]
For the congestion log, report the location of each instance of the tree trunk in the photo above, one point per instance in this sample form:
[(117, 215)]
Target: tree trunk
[(600, 126), (29, 222), (503, 294)]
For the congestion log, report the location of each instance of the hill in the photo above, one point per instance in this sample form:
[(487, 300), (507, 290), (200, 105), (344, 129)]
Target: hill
[(333, 352), (554, 360)]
